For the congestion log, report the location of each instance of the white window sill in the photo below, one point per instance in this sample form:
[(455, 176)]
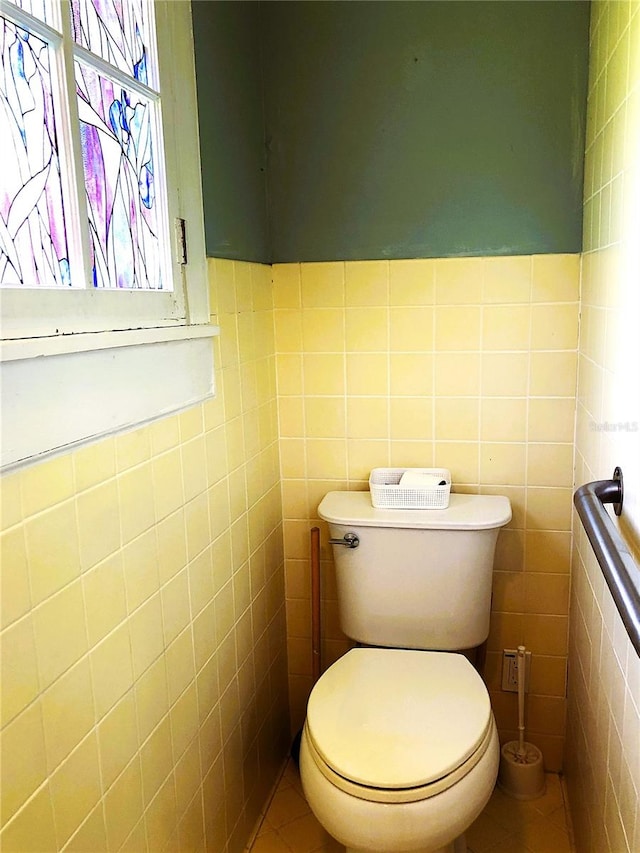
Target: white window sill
[(59, 393), (23, 348)]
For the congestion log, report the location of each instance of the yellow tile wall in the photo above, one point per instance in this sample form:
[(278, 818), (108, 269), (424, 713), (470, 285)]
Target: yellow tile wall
[(465, 363), (603, 759), (144, 683)]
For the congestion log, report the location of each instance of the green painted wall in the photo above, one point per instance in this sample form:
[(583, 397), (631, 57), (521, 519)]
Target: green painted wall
[(391, 129), (228, 44), (424, 129)]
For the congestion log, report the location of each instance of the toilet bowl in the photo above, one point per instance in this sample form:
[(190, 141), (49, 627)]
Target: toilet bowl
[(399, 751)]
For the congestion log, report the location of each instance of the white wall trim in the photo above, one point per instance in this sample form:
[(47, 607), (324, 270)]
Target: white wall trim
[(54, 403)]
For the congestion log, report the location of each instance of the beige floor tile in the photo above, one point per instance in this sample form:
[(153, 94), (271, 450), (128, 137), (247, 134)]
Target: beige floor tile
[(510, 814), (484, 833), (265, 827), (543, 836), (286, 805), (332, 846), (506, 825), (270, 842), (559, 818), (509, 845), (304, 834)]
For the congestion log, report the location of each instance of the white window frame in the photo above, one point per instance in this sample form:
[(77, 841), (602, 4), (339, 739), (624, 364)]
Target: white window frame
[(113, 337), (48, 312)]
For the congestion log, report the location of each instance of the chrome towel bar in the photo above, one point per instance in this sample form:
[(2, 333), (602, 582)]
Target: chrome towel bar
[(616, 561)]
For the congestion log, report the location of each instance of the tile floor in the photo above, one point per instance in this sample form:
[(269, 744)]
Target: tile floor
[(505, 826)]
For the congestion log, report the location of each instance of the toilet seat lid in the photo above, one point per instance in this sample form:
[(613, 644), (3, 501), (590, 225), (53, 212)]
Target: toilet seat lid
[(396, 718)]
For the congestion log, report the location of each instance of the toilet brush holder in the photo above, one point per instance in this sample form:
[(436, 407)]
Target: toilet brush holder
[(521, 773)]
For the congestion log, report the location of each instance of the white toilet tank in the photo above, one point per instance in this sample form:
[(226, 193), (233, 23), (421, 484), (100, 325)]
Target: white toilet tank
[(419, 579)]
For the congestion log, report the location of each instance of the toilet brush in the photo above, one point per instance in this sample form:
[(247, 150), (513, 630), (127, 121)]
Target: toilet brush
[(521, 756), (521, 773)]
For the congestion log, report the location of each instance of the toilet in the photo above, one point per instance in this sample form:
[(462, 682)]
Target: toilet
[(399, 750)]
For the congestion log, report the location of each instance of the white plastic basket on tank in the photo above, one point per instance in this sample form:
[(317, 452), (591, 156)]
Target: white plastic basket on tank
[(410, 488)]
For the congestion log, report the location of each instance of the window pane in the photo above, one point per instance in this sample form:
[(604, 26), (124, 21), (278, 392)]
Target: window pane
[(119, 32), (119, 169), (43, 10), (33, 243)]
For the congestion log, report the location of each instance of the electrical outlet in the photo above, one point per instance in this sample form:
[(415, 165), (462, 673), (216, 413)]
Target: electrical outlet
[(510, 670)]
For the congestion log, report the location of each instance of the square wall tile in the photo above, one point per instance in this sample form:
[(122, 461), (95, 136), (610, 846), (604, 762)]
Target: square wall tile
[(132, 448), (503, 463), (18, 668), (288, 330), (366, 330), (152, 698), (505, 374), (457, 374), (549, 508), (24, 765), (458, 328), (15, 594), (75, 787), (68, 712), (411, 282), (458, 280), (555, 278), (507, 279), (368, 417), (411, 374), (92, 834), (323, 330), (111, 670), (546, 593), (457, 419), (366, 283), (550, 465), (411, 417), (324, 373), (99, 523), (140, 566), (411, 329), (554, 326), (548, 551), (123, 805), (506, 327), (323, 285), (325, 417), (326, 459), (47, 484), (94, 464), (365, 454), (11, 500), (553, 374), (551, 420), (503, 419), (117, 739), (60, 633), (33, 828), (367, 374), (462, 459), (286, 286), (244, 291)]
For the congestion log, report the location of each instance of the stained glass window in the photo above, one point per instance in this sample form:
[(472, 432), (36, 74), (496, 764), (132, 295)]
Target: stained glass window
[(120, 32), (43, 10), (117, 155), (33, 242), (116, 138)]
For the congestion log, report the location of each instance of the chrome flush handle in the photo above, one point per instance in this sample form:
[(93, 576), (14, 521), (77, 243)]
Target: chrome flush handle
[(349, 540)]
